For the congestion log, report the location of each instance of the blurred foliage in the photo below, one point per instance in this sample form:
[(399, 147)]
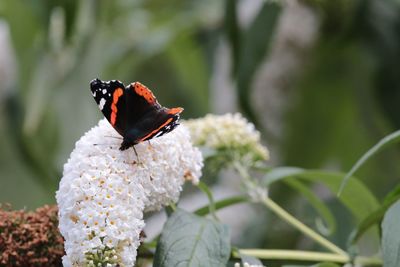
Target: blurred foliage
[(346, 98), (61, 45), (348, 95), (249, 48)]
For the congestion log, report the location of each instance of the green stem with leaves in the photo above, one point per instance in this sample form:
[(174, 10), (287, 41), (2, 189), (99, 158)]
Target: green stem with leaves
[(284, 215), (203, 187), (298, 255)]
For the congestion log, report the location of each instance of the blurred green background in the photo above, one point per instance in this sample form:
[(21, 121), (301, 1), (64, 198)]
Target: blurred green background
[(320, 80)]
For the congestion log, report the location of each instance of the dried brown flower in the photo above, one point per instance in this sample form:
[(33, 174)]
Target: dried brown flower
[(30, 238)]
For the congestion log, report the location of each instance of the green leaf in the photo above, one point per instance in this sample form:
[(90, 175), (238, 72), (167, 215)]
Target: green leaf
[(170, 209), (286, 173), (17, 186), (233, 32), (322, 264), (253, 49), (307, 142), (375, 217), (325, 264), (317, 204), (221, 204), (383, 143), (280, 173), (356, 197), (190, 240), (203, 187), (188, 61), (390, 236)]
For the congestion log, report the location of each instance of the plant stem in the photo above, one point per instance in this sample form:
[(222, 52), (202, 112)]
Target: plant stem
[(203, 187), (276, 254), (284, 215), (220, 204)]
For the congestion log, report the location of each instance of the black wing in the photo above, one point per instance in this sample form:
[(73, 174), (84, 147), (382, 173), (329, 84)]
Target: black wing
[(140, 101), (110, 97)]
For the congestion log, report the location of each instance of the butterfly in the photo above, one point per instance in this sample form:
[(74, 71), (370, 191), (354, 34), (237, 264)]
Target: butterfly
[(133, 111)]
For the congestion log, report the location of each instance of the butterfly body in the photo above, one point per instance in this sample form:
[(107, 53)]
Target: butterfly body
[(133, 111)]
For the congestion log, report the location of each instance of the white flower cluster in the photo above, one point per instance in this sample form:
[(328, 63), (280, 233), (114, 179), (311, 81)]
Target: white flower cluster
[(104, 192), (230, 134)]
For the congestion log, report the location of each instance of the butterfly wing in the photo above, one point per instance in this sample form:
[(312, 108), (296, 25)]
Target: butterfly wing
[(153, 124), (145, 117), (166, 120), (140, 101), (111, 98)]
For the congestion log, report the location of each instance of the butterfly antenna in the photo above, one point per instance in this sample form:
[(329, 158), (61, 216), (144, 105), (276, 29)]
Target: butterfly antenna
[(111, 146), (116, 137)]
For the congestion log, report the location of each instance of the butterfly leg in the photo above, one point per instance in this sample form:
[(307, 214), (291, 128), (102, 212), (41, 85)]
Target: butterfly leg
[(137, 155), (149, 143)]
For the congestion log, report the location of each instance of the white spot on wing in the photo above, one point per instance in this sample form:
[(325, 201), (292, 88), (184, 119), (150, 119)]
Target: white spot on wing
[(101, 103), (104, 91)]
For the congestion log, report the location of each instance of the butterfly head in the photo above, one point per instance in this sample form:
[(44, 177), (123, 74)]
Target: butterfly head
[(95, 86), (94, 82)]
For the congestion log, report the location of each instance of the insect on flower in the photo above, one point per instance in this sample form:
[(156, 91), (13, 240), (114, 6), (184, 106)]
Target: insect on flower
[(133, 111), (103, 194)]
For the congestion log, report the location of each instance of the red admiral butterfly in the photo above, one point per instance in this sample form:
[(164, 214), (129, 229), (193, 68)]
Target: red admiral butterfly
[(133, 111)]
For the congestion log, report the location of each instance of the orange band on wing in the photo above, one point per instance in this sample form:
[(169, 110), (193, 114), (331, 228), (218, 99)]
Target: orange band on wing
[(116, 95), (145, 92), (156, 130), (174, 111)]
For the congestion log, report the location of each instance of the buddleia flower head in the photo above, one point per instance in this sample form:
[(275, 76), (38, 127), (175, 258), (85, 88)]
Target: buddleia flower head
[(104, 192), (230, 136)]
